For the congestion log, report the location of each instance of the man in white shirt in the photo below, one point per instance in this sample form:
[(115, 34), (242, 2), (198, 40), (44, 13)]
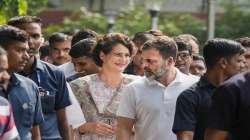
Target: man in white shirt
[(148, 104)]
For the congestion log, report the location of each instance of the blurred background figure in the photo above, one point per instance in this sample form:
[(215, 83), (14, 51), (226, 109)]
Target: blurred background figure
[(59, 47), (245, 42), (192, 41), (44, 53), (184, 55), (198, 67), (4, 75), (99, 94)]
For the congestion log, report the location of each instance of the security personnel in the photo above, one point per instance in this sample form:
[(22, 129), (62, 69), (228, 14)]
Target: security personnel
[(21, 92), (51, 81)]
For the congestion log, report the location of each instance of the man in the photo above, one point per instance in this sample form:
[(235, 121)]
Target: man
[(44, 53), (184, 56), (245, 42), (59, 46), (229, 114), (136, 66), (198, 66), (148, 104), (192, 41), (223, 59), (8, 129), (22, 93), (68, 68), (51, 81), (81, 54)]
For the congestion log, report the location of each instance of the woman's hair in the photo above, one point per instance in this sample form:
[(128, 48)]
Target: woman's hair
[(107, 42)]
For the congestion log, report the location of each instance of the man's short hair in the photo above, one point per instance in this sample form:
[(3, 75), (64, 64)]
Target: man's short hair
[(19, 20), (58, 38), (9, 34), (141, 37), (198, 57), (83, 34), (82, 48), (188, 37), (44, 50), (244, 41), (183, 45), (164, 44), (218, 48)]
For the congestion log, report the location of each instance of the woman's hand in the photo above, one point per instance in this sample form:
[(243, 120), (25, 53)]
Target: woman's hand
[(98, 128)]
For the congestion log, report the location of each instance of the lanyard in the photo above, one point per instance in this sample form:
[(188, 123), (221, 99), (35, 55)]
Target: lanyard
[(38, 78)]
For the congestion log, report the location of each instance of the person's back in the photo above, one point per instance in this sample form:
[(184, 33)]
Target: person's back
[(229, 114)]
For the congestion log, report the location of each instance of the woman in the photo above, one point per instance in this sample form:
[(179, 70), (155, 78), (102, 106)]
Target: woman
[(99, 94)]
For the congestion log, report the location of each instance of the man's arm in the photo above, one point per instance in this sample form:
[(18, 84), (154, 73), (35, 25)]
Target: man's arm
[(186, 115), (63, 124), (185, 135), (35, 131), (124, 128), (215, 134)]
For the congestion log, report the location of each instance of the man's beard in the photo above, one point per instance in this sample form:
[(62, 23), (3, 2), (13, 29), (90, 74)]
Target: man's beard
[(155, 75)]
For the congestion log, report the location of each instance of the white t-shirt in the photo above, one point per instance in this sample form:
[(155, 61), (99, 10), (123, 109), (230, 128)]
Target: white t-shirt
[(68, 69), (74, 112), (152, 106)]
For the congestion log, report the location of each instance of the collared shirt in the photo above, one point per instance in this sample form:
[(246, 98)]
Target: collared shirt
[(230, 109), (152, 106), (54, 96), (8, 129), (192, 108), (24, 98)]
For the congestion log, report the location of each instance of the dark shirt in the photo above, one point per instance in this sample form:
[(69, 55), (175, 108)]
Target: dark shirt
[(27, 110), (54, 96), (192, 108), (230, 110), (75, 76), (130, 69)]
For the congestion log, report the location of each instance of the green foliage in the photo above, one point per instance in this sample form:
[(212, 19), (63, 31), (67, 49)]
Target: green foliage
[(233, 23), (175, 24), (128, 23), (10, 8), (132, 21), (36, 6), (80, 20)]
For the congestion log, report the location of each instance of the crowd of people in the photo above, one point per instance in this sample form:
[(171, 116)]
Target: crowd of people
[(151, 86)]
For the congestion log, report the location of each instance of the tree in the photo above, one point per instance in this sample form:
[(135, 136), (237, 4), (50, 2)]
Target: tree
[(234, 22), (10, 8)]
